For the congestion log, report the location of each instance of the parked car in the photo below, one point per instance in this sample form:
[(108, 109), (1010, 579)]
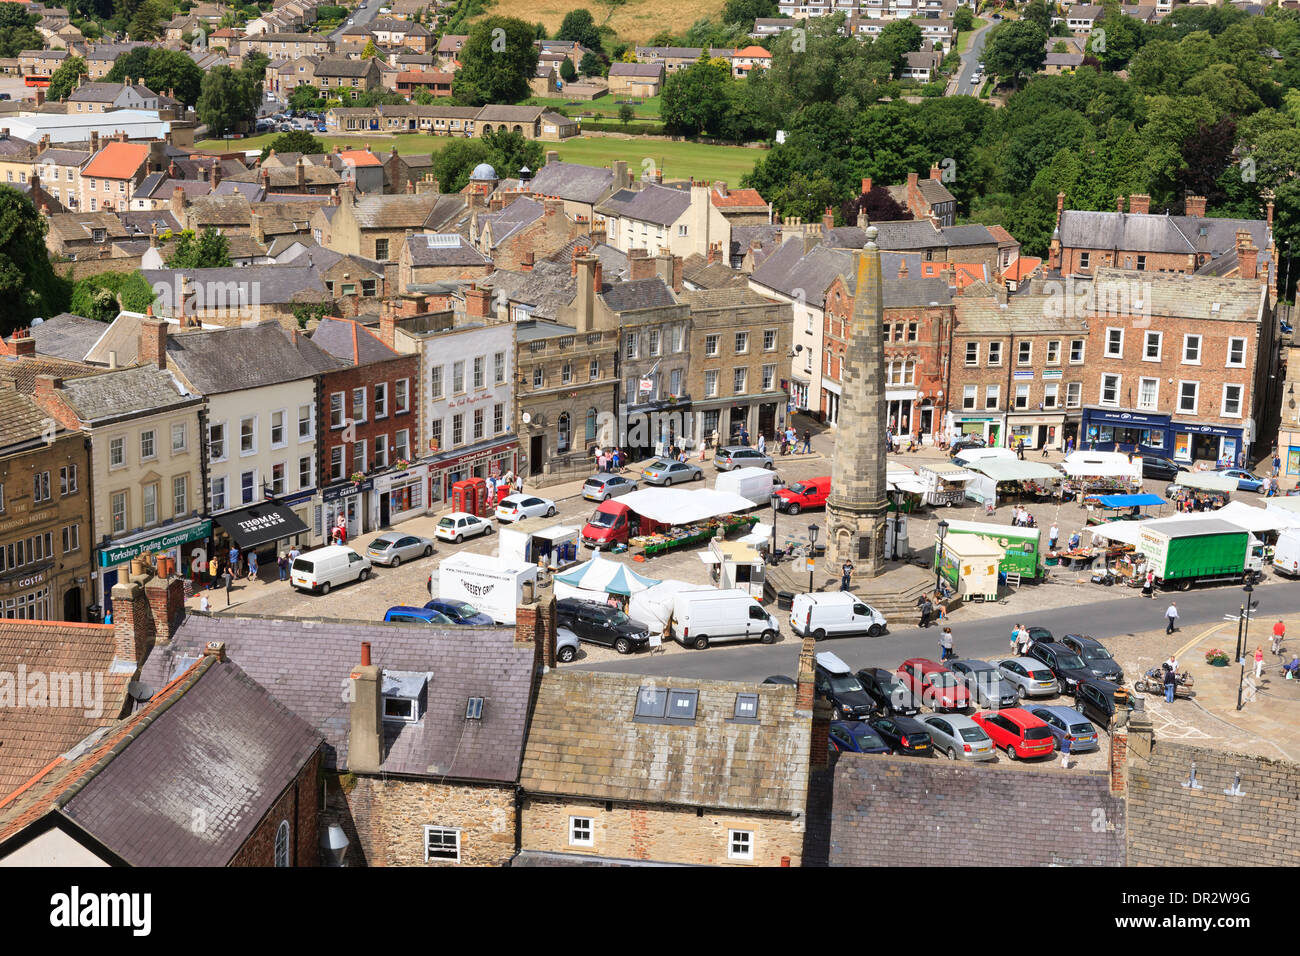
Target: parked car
[(458, 611), (855, 737), (603, 487), (965, 443), (1017, 731), (1039, 634), (958, 737), (976, 78), (802, 495), (888, 692), (937, 686), (1067, 667), (403, 614), (661, 471), (741, 456), (1031, 677), (1066, 723), (517, 507), (905, 735), (833, 680), (1098, 700), (1245, 480), (1095, 657), (319, 570), (601, 624), (1165, 469), (985, 683), (459, 525), (566, 645), (392, 548)]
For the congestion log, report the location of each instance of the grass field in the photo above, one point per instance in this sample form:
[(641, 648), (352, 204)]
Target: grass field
[(635, 20), (606, 107), (677, 160)]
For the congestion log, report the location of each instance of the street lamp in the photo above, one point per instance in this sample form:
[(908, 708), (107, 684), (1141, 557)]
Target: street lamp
[(938, 553), (772, 550), (812, 553), (1245, 642)]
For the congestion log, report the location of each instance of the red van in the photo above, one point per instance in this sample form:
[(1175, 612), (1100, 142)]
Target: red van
[(611, 523), (810, 493)]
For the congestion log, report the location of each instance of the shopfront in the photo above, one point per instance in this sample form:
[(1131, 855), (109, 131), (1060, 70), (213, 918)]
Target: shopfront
[(798, 390), (1036, 431), (495, 460), (398, 496), (899, 404), (164, 544), (1138, 432), (25, 594), (1217, 443), (986, 427), (267, 529), (343, 504), (830, 406)]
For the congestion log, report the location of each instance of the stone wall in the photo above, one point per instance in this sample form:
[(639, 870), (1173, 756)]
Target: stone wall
[(298, 805)]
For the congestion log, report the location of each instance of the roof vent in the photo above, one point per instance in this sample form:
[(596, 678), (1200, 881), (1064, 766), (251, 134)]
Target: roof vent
[(1214, 307), (746, 707), (651, 702), (443, 240)]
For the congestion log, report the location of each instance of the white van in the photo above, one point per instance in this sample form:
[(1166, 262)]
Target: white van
[(1286, 556), (493, 585), (701, 618), (756, 484), (318, 571), (834, 614)]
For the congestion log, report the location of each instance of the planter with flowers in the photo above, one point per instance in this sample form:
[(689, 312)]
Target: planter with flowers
[(1216, 658), (357, 478), (403, 463)]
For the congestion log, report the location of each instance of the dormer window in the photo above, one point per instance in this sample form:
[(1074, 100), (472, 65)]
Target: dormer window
[(406, 695)]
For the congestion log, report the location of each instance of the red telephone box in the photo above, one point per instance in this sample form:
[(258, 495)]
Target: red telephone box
[(470, 496)]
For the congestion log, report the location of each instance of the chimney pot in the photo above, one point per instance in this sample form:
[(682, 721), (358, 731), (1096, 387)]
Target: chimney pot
[(365, 653)]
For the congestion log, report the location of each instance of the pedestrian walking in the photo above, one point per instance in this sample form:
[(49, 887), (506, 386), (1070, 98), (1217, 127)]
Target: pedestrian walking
[(1259, 662), (807, 442), (229, 579), (1279, 633), (846, 573), (283, 565), (1020, 449), (252, 565), (233, 557), (602, 463), (945, 644), (1171, 684), (703, 445), (1069, 445), (1149, 585), (926, 609), (762, 444), (1065, 753), (1015, 639), (196, 569), (616, 463), (1052, 536), (519, 484), (1171, 615), (213, 567), (293, 555), (1023, 641), (204, 604), (716, 437)]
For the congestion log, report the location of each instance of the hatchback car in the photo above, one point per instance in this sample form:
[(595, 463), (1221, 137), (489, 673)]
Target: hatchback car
[(1165, 469), (1066, 666), (1245, 480), (566, 645), (604, 487), (1017, 731), (1031, 677), (958, 737), (459, 611), (890, 694), (1066, 723), (741, 456), (855, 737), (985, 683), (518, 507), (965, 443), (1095, 657), (661, 471), (417, 615), (601, 624), (937, 686), (1099, 700), (905, 735), (392, 549), (459, 525)]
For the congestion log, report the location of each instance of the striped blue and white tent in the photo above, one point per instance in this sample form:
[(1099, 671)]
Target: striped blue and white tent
[(604, 574)]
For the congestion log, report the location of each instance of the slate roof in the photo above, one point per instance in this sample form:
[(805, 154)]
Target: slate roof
[(404, 211), (351, 341), (914, 292), (1022, 314), (768, 235), (698, 271), (67, 336), (20, 371), (651, 293), (214, 739), (584, 742), (653, 70), (657, 204), (21, 419), (931, 190), (572, 181), (58, 156), (1151, 232), (788, 270), (275, 285), (249, 356), (30, 737), (305, 663), (119, 393), (1184, 296), (972, 235), (443, 254)]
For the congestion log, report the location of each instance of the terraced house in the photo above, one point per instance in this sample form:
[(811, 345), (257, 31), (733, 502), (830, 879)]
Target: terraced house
[(109, 179)]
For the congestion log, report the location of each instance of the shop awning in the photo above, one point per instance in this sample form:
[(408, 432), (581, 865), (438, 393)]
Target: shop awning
[(1125, 532), (1013, 469), (947, 472), (1129, 501), (679, 506), (1206, 481), (260, 524)]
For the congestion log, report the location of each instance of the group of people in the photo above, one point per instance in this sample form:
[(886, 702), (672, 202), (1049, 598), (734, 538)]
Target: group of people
[(503, 486), (1199, 501), (932, 609), (221, 572), (1021, 518), (606, 461)]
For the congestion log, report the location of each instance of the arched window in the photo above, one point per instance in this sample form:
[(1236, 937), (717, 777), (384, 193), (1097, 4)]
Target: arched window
[(282, 844), (487, 128), (518, 128), (563, 434), (591, 424)]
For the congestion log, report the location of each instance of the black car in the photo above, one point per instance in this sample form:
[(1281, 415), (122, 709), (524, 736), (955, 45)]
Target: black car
[(781, 679), (845, 693), (1095, 657), (987, 687), (601, 624), (1067, 666), (1154, 466), (1040, 634), (906, 735), (1098, 700), (890, 695), (965, 443)]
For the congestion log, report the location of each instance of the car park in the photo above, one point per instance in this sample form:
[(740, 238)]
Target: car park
[(833, 680), (601, 624), (741, 456), (661, 471), (459, 525), (1066, 666), (905, 735), (855, 737), (834, 614), (566, 645), (958, 737), (1066, 723), (802, 495), (1017, 731), (937, 687), (1095, 656), (888, 692), (1031, 677), (605, 486), (1099, 700), (518, 507), (392, 548), (324, 568), (459, 611), (417, 615), (985, 683)]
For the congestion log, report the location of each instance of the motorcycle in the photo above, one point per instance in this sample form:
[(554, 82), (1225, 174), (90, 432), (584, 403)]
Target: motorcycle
[(1153, 682)]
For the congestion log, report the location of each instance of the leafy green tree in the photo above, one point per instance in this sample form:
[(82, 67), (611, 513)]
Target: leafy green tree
[(160, 70), (227, 100), (567, 73), (148, 20), (497, 62), (1037, 11), (694, 99), (591, 65), (580, 27), (897, 39), (1115, 40), (963, 19), (16, 15), (509, 151), (28, 286), (297, 141), (626, 114), (65, 79), (13, 40), (1016, 47), (380, 97), (305, 99), (423, 97), (208, 250), (454, 162), (745, 12), (369, 50)]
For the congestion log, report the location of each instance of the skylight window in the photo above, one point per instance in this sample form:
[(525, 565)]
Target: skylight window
[(474, 709), (681, 704), (651, 702), (747, 706)]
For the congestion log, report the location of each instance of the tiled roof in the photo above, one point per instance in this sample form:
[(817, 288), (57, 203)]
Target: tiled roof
[(698, 271), (1003, 237), (572, 181), (21, 419), (1150, 232), (67, 336), (1021, 314), (651, 293), (306, 662), (350, 341), (228, 360), (749, 198), (117, 161), (20, 371), (108, 395), (654, 70), (520, 213), (1022, 268), (436, 249), (360, 157), (405, 211), (583, 742), (64, 157)]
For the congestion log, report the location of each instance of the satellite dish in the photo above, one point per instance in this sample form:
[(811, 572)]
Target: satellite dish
[(526, 418)]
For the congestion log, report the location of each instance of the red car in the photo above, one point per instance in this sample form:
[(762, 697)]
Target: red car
[(1017, 731), (934, 685), (810, 493)]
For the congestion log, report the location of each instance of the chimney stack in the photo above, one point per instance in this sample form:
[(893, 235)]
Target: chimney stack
[(526, 263), (366, 730), (585, 265), (1119, 203), (913, 180), (639, 265), (214, 174), (1247, 256), (866, 185), (178, 204), (153, 340), (936, 174), (1195, 206), (1139, 203), (133, 622), (301, 174), (478, 303), (828, 220), (94, 141), (902, 268), (552, 156), (410, 187)]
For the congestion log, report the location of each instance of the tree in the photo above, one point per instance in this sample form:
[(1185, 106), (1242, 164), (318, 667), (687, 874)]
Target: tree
[(567, 72), (305, 99), (508, 152), (380, 97), (28, 285), (580, 27), (897, 39), (208, 250), (161, 70), (148, 20), (877, 204), (297, 141), (369, 51), (626, 114), (1037, 11), (1116, 40), (15, 15), (65, 79), (1016, 47), (963, 20), (227, 100), (454, 162), (695, 98), (496, 63), (745, 12), (591, 65), (13, 40)]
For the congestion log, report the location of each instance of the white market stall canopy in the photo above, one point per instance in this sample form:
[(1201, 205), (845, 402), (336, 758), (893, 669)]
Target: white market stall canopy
[(679, 506), (603, 574), (1125, 532), (902, 478), (1097, 464), (1013, 469), (972, 455), (1289, 504), (948, 472), (1206, 481), (1255, 519), (760, 534)]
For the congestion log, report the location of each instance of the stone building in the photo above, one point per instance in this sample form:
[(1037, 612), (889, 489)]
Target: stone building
[(427, 258), (373, 226)]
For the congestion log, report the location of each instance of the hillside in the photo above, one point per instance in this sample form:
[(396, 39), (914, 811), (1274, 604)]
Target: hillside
[(635, 21)]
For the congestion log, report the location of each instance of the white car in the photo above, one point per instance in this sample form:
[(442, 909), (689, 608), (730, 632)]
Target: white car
[(459, 525), (517, 507)]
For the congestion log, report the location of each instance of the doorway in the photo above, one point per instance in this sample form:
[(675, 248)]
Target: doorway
[(72, 604), (383, 508), (927, 420), (536, 448), (767, 419)]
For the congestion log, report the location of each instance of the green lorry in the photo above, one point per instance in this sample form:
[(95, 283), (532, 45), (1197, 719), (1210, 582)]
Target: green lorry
[(1198, 551), (1022, 556)]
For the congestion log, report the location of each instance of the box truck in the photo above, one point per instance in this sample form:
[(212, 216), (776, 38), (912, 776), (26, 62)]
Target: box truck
[(1021, 553), (495, 586), (715, 616), (1199, 551), (756, 484)]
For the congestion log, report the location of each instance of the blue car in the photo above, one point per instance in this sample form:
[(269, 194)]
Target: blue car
[(1066, 722), (417, 615), (1245, 480), (458, 611), (855, 737)]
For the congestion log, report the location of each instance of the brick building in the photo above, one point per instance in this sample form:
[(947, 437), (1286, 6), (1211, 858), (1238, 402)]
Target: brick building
[(517, 232), (111, 176), (426, 258), (924, 198)]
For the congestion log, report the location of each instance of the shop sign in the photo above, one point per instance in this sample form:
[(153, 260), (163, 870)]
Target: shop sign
[(346, 490), (112, 556)]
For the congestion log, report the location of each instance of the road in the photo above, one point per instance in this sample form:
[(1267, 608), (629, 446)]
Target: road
[(359, 16), (970, 62)]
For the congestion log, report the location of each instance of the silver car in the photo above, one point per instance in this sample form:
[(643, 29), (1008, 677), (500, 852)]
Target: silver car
[(741, 456), (988, 688), (602, 487), (566, 645), (1031, 678), (392, 548), (662, 471), (958, 737)]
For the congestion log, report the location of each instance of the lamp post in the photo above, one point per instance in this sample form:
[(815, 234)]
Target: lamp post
[(812, 552), (775, 510), (938, 553), (1245, 642)]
